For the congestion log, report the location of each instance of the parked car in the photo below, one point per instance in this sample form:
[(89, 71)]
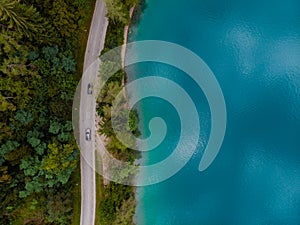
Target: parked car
[(90, 89), (88, 135)]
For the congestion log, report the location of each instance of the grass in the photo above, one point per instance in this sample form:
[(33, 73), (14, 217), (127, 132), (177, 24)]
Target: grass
[(99, 194), (83, 40), (76, 196)]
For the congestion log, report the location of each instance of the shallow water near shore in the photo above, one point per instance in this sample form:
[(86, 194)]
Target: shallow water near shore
[(253, 48)]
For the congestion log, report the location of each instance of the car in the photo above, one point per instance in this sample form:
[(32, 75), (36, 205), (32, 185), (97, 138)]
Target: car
[(88, 135), (90, 89)]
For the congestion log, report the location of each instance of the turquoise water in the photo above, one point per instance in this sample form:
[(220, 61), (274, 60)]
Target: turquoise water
[(253, 48)]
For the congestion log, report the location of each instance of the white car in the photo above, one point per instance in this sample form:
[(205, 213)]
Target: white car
[(88, 135)]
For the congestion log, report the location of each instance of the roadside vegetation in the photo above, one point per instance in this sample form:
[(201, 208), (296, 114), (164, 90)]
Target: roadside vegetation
[(38, 77), (117, 202)]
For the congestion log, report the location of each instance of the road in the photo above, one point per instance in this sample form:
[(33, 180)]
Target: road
[(87, 114)]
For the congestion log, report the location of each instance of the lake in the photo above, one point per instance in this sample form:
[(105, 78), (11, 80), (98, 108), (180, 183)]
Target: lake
[(253, 49)]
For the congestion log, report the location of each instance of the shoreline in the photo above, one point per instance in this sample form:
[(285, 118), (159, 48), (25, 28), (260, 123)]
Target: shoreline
[(126, 30), (106, 139), (123, 53)]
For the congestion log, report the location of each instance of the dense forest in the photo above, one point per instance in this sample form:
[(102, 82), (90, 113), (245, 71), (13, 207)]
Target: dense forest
[(39, 42)]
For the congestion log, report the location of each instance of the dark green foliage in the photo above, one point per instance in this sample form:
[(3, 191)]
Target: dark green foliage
[(23, 117), (114, 196), (125, 214), (38, 153), (133, 122), (59, 207), (22, 18), (118, 10), (6, 148), (114, 36)]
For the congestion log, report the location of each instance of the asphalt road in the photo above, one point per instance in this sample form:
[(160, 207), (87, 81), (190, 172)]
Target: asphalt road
[(87, 112)]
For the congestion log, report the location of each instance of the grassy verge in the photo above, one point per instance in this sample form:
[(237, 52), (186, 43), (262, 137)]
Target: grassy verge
[(99, 194), (83, 39), (76, 192)]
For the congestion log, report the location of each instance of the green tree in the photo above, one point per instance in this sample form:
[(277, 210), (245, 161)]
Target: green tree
[(59, 207), (22, 18), (116, 11), (6, 148), (23, 117), (5, 177), (60, 158), (54, 127), (17, 76)]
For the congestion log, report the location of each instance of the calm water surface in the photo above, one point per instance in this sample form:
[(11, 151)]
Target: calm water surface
[(253, 48)]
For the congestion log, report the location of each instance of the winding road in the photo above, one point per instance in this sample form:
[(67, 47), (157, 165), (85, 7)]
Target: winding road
[(87, 113)]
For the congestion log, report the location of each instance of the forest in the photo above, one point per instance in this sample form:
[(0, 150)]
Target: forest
[(40, 45)]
